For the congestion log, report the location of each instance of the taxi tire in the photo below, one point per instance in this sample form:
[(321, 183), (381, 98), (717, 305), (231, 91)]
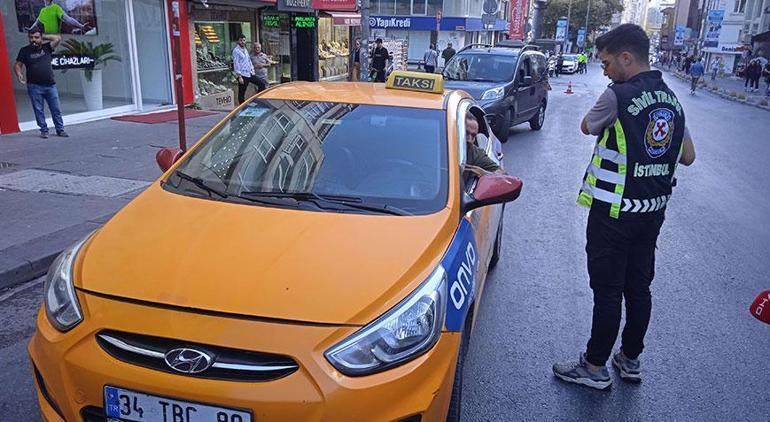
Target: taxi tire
[(536, 123), (498, 243), (503, 127), (455, 404)]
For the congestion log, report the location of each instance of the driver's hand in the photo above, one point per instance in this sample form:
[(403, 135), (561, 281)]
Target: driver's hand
[(475, 170)]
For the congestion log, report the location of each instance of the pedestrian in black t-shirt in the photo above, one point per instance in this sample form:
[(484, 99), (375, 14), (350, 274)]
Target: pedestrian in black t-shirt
[(41, 86), (448, 53), (380, 58), (356, 70)]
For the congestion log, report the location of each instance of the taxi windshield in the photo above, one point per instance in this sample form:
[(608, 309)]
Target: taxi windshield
[(481, 67), (337, 156)]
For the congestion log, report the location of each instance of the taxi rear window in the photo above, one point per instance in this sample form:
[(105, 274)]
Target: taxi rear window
[(379, 155)]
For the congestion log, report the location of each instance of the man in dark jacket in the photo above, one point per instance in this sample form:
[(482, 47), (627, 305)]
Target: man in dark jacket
[(448, 53), (380, 58)]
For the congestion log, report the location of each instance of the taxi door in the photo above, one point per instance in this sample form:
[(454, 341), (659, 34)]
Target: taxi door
[(484, 220)]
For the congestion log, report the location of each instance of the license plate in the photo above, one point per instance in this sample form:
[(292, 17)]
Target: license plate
[(127, 405)]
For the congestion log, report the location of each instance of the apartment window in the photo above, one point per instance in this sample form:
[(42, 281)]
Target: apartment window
[(403, 7), (419, 7), (740, 6), (434, 6)]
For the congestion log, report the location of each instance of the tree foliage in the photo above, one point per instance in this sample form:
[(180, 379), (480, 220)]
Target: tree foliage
[(599, 15)]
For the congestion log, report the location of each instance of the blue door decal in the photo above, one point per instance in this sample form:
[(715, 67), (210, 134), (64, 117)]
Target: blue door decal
[(460, 262)]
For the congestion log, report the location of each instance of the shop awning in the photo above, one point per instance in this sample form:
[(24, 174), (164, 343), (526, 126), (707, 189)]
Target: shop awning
[(345, 18)]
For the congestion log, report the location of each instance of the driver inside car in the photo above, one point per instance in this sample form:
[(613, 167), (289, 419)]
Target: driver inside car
[(477, 161)]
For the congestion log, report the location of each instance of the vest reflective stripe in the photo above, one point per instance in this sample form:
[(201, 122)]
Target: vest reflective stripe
[(601, 194), (595, 172), (645, 205), (610, 155), (606, 175)]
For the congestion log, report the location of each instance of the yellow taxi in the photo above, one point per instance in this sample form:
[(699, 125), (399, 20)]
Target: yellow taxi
[(320, 254)]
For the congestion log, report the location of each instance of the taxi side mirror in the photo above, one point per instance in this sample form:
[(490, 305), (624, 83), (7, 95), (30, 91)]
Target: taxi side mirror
[(166, 157), (493, 189)]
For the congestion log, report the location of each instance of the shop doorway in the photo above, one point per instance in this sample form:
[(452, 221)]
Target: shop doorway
[(307, 53), (153, 58)]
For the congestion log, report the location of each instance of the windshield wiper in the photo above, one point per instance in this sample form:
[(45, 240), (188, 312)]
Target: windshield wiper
[(197, 181), (344, 200)]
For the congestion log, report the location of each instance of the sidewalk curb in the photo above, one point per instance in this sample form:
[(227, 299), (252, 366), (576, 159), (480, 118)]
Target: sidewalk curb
[(29, 260), (721, 94)]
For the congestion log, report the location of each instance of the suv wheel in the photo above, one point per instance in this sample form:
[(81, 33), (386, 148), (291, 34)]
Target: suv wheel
[(503, 127), (536, 122)]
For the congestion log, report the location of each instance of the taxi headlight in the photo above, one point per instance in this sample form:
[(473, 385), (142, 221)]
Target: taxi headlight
[(61, 304), (493, 94), (400, 335)]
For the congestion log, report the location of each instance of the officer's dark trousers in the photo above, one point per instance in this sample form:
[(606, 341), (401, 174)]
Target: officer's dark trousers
[(621, 264)]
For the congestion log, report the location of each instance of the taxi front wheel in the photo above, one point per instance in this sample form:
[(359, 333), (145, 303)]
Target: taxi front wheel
[(455, 405)]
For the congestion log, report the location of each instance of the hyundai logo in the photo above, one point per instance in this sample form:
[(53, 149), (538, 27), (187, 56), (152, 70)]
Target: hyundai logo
[(188, 361)]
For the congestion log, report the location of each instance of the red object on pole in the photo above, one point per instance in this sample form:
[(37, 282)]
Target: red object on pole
[(176, 31), (516, 28), (9, 120)]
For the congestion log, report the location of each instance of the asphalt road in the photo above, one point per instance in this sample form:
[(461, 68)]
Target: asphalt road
[(706, 358)]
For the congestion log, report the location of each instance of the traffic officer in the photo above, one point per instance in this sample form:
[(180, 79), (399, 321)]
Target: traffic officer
[(641, 132)]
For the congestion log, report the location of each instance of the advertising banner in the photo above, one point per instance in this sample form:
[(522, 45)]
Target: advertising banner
[(57, 17), (516, 29), (581, 37), (713, 28), (679, 36), (343, 5), (561, 30)]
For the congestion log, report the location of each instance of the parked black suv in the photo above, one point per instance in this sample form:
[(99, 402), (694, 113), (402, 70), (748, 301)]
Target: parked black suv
[(510, 82)]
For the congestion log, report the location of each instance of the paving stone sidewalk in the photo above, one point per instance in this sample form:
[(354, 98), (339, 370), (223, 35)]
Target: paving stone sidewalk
[(55, 191), (728, 87)]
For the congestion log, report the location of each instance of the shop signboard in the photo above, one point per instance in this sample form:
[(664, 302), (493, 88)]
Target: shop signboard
[(342, 5), (303, 22), (220, 101), (713, 27), (60, 17), (561, 30), (679, 36), (295, 5), (403, 22), (72, 61), (271, 21), (516, 28)]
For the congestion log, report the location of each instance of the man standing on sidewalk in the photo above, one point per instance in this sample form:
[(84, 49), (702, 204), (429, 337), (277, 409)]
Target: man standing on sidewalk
[(41, 86), (641, 137), (448, 53), (696, 72), (261, 63), (430, 58), (243, 68)]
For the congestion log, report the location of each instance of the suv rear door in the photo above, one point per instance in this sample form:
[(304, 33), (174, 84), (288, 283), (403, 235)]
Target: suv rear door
[(525, 99)]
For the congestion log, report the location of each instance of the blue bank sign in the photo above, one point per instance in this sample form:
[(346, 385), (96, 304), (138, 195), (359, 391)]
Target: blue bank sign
[(403, 22)]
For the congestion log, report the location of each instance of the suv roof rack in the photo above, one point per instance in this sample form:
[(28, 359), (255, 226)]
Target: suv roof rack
[(474, 45), (517, 44)]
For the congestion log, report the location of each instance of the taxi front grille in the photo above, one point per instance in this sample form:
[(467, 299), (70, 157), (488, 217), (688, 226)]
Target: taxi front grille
[(223, 364)]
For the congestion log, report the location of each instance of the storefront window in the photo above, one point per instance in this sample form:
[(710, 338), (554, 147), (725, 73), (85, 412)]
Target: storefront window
[(103, 25), (275, 36), (333, 49), (214, 43), (403, 7)]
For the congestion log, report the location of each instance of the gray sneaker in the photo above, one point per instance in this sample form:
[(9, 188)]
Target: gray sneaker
[(630, 369), (578, 373)]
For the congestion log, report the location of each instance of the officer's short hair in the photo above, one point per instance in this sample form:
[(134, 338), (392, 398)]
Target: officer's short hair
[(626, 37)]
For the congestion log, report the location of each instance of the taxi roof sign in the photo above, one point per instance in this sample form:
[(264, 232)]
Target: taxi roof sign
[(416, 81)]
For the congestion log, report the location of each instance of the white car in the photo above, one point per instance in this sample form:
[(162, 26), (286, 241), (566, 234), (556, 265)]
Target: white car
[(570, 64)]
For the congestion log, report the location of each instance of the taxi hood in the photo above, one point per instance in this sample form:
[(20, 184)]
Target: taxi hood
[(336, 268)]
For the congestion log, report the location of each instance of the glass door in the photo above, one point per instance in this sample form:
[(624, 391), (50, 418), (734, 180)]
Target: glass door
[(152, 49)]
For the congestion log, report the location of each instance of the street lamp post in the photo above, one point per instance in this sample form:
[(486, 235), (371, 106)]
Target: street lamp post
[(566, 36), (365, 33)]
